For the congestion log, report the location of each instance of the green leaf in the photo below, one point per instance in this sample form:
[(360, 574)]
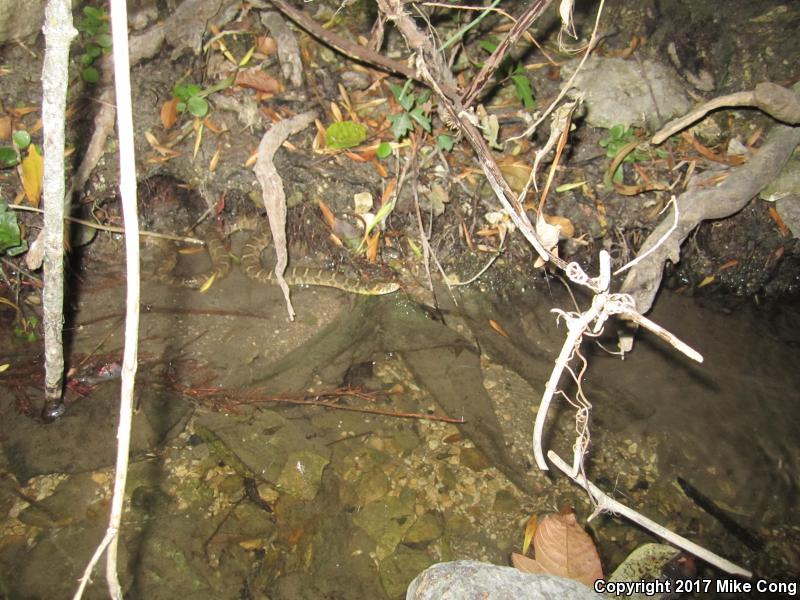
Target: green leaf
[(402, 96), (184, 91), (524, 91), (423, 96), (93, 13), (197, 107), (9, 230), (384, 150), (90, 75), (488, 46), (421, 118), (8, 157), (445, 142), (401, 125), (21, 138), (103, 40), (345, 134)]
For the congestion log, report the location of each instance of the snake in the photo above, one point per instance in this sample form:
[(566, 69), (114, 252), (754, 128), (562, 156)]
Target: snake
[(251, 265)]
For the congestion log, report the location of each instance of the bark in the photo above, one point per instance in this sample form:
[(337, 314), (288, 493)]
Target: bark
[(59, 32)]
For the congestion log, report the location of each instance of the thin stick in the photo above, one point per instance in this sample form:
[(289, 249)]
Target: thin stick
[(119, 30), (113, 229), (608, 504)]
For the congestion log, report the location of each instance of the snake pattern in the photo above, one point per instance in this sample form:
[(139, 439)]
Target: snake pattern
[(251, 265)]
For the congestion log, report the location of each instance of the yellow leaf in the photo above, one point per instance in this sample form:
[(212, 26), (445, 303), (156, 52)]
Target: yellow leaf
[(31, 172), (707, 280), (530, 529), (4, 367), (208, 283)]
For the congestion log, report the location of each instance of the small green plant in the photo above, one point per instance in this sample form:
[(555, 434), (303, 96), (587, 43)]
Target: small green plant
[(416, 112), (27, 328), (97, 35), (514, 71), (190, 99), (618, 138), (342, 135), (10, 155), (11, 242)]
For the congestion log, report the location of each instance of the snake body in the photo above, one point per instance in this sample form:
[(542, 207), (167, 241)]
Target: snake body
[(251, 265)]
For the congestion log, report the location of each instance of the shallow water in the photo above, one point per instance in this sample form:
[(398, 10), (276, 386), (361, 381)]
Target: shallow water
[(232, 500)]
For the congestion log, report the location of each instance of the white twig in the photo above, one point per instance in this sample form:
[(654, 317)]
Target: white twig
[(605, 503), (127, 160), (660, 241)]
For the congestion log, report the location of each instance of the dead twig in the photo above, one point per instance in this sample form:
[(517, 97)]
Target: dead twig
[(272, 192), (533, 12), (342, 44)]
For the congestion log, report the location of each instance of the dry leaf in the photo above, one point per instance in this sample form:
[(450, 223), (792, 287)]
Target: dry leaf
[(5, 128), (259, 80), (169, 113), (266, 45), (327, 214), (516, 173), (530, 530), (497, 327), (548, 236), (31, 171), (563, 548), (565, 227)]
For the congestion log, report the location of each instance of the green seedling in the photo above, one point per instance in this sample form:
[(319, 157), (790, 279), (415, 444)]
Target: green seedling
[(97, 41), (618, 138), (27, 328), (11, 242), (10, 155), (514, 71), (414, 111), (191, 99)]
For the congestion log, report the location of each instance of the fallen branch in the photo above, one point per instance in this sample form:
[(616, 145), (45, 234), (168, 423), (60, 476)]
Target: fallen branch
[(778, 102), (272, 192), (342, 44), (604, 503), (700, 204)]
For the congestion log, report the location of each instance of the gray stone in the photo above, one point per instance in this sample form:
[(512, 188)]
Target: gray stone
[(469, 579), (628, 92)]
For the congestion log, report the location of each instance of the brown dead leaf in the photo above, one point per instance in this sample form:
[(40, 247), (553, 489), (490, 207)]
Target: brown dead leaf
[(327, 214), (498, 328), (266, 45), (259, 80), (562, 548), (169, 113), (31, 171), (565, 227), (5, 128), (516, 173)]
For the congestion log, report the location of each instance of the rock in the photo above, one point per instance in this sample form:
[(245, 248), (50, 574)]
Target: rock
[(400, 568), (302, 474), (426, 528), (474, 459), (473, 580), (386, 521), (20, 19), (628, 92)]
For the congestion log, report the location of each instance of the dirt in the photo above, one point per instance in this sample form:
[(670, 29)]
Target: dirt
[(259, 473)]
